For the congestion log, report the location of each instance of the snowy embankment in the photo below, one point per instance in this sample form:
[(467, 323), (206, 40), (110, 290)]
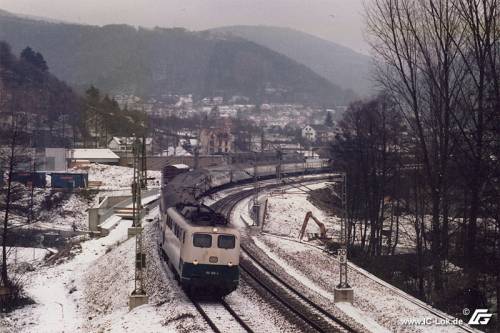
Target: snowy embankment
[(110, 281), (377, 307), (118, 178), (89, 292), (292, 213), (62, 288)]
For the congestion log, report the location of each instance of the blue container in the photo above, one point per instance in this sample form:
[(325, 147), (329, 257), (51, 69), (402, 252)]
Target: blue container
[(69, 180), (37, 179)]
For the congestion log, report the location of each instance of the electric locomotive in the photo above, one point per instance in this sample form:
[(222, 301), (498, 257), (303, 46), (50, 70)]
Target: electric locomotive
[(201, 249)]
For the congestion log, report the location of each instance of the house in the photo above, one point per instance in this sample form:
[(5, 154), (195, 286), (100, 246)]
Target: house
[(103, 155), (309, 133), (318, 133), (124, 145), (175, 151), (217, 140)]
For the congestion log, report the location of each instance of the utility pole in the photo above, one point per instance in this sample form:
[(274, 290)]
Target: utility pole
[(343, 237), (343, 291), (144, 167), (138, 296), (262, 140), (280, 162), (256, 203)]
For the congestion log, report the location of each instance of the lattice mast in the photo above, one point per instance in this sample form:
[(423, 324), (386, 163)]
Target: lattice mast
[(342, 254), (137, 183), (256, 204)]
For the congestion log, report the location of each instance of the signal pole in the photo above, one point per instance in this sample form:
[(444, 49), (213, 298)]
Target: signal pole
[(256, 204), (343, 237), (138, 296), (280, 162), (144, 167), (343, 292)]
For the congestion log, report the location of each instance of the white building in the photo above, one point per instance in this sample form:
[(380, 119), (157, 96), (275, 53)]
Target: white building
[(105, 156), (320, 133), (124, 145), (309, 133)]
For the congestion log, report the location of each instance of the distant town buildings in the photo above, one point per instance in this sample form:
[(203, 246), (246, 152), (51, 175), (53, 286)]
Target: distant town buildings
[(318, 133), (124, 145), (216, 140)]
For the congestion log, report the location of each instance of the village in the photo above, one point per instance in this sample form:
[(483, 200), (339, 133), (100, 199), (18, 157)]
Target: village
[(289, 128)]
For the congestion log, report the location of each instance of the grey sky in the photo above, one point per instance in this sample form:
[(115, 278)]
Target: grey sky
[(337, 20)]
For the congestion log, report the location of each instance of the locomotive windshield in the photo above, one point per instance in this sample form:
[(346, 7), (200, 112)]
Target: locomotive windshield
[(226, 242), (202, 240)]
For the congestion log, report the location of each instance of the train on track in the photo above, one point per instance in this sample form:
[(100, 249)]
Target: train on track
[(199, 244), (201, 249)]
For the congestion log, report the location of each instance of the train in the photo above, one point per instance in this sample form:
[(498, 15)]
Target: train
[(201, 249), (200, 246)]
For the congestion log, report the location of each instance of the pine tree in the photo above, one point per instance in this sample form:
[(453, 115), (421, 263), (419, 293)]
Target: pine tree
[(328, 119), (34, 58)]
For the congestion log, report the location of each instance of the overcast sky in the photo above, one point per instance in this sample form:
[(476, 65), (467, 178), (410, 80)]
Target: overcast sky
[(337, 20)]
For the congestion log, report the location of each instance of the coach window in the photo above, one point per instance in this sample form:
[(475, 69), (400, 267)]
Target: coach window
[(202, 240), (226, 242)]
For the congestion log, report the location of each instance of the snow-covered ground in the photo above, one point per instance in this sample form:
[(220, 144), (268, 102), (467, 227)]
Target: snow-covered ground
[(378, 307), (88, 291), (118, 178), (62, 290), (18, 255), (292, 212)]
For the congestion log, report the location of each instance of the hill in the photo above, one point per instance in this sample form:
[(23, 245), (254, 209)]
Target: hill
[(152, 62), (41, 100), (340, 65)]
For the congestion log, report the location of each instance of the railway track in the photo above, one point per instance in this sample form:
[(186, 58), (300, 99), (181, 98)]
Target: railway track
[(309, 311), (314, 317), (221, 317), (226, 206)]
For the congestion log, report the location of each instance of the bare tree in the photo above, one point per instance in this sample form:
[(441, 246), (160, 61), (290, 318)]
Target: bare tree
[(417, 43), (13, 156)]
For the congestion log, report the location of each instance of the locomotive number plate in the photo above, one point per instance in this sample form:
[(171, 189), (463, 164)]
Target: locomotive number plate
[(211, 273)]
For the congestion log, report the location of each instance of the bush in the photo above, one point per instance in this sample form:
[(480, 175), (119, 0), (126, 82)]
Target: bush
[(15, 297)]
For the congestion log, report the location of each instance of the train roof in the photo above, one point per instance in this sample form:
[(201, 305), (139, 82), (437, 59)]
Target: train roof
[(176, 166), (185, 188), (200, 215)]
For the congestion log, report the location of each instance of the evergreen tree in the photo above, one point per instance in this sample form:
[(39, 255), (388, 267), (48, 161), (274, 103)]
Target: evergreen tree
[(328, 119), (34, 58), (28, 55), (40, 62), (6, 57)]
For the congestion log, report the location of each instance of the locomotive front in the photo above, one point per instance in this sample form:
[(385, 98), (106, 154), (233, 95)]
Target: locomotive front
[(210, 260)]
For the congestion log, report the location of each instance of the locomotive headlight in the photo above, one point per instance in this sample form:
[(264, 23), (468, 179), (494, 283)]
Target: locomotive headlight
[(230, 263), (215, 230), (195, 262)]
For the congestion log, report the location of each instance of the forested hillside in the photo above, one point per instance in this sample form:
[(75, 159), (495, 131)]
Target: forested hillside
[(49, 111), (27, 87), (120, 58), (338, 64)]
